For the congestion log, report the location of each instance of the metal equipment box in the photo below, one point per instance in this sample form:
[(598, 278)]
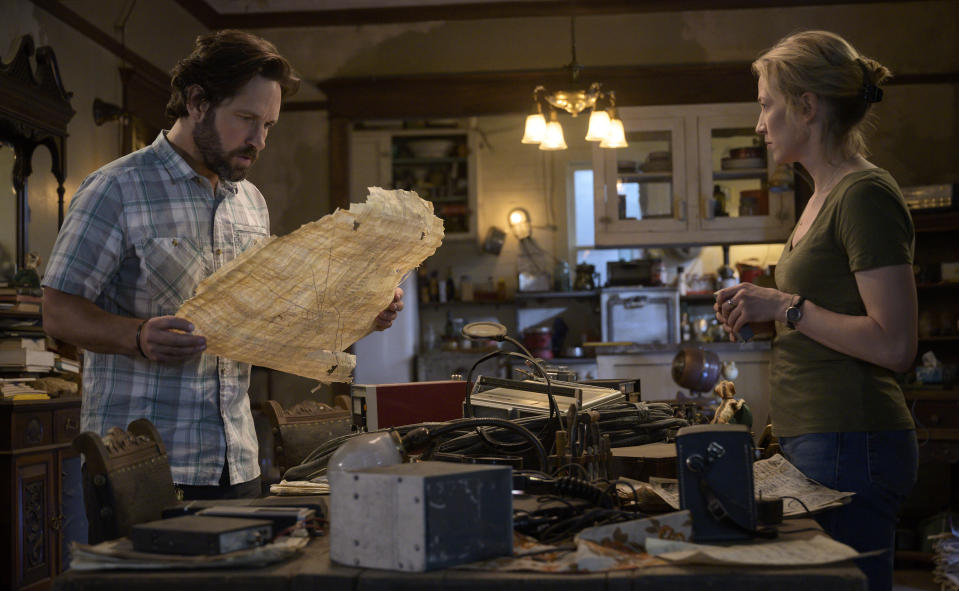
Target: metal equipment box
[(421, 516)]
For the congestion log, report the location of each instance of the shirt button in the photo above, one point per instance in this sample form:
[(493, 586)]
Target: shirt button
[(219, 252), (175, 243)]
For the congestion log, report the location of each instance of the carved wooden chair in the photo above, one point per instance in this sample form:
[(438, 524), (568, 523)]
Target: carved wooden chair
[(302, 428), (127, 479)]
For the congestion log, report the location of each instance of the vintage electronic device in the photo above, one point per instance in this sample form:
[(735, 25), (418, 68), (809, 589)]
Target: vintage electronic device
[(636, 272), (200, 534), (644, 315), (716, 481), (283, 518), (421, 516), (377, 406), (639, 462), (510, 399)]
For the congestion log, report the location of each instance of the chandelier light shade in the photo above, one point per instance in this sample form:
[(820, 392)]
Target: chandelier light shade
[(554, 139), (535, 131), (603, 126), (616, 137), (598, 126)]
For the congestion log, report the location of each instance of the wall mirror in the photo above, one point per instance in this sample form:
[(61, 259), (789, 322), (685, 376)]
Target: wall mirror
[(34, 112)]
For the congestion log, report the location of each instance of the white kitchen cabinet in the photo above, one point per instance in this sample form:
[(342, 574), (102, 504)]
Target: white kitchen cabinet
[(439, 164), (660, 190), (654, 370)]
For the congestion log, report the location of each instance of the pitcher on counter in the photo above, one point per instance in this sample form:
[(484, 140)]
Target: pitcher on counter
[(845, 303)]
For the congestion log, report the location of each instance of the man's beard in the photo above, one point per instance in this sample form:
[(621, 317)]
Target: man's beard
[(207, 141)]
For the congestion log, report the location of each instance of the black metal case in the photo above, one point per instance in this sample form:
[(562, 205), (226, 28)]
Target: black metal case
[(716, 481)]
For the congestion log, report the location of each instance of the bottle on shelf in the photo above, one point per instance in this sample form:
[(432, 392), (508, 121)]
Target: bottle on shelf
[(449, 333), (681, 280), (466, 288), (450, 286), (442, 296), (434, 287), (423, 284)]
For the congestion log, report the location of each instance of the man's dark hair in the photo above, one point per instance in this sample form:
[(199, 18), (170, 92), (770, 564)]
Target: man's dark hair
[(221, 63)]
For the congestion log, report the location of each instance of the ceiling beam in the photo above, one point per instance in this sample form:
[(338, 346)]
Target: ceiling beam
[(211, 18)]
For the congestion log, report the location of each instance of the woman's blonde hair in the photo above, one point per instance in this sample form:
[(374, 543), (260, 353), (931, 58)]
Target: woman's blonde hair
[(826, 65)]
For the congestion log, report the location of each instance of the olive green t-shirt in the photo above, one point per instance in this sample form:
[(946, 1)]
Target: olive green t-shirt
[(863, 224)]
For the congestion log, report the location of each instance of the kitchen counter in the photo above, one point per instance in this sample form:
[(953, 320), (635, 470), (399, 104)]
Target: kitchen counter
[(719, 347)]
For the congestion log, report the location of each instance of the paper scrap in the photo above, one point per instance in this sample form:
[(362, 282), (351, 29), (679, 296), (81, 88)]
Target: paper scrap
[(819, 549), (296, 302), (773, 477)]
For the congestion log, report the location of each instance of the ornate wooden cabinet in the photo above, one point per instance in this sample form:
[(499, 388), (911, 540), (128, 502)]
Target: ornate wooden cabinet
[(40, 499)]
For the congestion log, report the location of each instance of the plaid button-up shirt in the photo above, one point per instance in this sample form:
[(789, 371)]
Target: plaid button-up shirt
[(140, 234)]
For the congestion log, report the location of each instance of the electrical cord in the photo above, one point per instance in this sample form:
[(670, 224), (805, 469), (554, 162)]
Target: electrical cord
[(627, 423)]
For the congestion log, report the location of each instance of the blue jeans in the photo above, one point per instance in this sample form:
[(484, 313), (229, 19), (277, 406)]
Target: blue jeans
[(880, 467)]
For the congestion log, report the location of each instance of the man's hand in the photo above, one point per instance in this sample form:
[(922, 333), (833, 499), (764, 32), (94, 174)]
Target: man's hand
[(167, 338), (385, 318)]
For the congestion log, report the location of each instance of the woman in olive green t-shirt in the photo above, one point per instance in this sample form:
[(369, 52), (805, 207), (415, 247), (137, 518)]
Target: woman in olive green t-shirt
[(845, 302)]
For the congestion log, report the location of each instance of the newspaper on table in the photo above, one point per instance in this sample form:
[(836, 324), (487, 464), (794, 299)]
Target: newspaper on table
[(296, 302), (946, 558), (289, 488), (773, 477)]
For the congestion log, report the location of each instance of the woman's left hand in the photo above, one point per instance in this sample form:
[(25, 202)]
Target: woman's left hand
[(385, 318), (745, 303)]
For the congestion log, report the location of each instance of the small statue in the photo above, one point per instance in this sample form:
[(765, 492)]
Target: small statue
[(28, 276), (731, 410)]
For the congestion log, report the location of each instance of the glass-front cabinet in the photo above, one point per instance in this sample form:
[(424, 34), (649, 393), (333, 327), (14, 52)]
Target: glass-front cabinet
[(692, 174), (439, 165)]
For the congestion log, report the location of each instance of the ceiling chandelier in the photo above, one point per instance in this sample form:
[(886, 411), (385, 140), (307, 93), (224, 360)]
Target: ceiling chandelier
[(542, 125)]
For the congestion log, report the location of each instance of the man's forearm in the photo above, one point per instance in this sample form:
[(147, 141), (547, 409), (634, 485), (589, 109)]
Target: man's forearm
[(79, 321)]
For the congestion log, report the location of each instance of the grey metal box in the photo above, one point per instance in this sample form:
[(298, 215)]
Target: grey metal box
[(421, 516)]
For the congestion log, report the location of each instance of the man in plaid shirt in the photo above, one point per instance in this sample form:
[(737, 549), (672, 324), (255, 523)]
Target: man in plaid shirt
[(141, 233)]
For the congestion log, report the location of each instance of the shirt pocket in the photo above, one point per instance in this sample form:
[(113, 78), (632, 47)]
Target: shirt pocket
[(173, 267), (245, 236)]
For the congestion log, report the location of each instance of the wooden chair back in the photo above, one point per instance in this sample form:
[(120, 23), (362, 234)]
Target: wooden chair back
[(126, 480)]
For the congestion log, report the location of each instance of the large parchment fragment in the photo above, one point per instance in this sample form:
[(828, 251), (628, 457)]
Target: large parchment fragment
[(294, 303)]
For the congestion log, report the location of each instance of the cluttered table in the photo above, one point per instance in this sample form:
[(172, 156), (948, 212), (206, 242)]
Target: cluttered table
[(313, 569)]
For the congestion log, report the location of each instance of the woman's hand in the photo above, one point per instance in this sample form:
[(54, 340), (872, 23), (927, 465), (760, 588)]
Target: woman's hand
[(385, 318), (748, 303)]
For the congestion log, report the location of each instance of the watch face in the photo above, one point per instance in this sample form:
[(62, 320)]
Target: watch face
[(793, 314)]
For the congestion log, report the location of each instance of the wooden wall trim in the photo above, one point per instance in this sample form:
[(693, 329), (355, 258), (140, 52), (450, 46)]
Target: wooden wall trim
[(490, 93), (203, 12), (90, 31)]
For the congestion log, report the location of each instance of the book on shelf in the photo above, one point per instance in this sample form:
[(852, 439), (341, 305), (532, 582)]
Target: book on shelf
[(20, 307), (27, 360), (20, 297), (66, 365), (20, 390), (6, 290), (18, 341)]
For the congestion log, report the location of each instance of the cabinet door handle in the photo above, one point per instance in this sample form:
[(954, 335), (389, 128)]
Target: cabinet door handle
[(705, 205)]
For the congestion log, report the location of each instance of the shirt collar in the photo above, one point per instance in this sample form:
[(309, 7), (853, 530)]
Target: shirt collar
[(177, 166)]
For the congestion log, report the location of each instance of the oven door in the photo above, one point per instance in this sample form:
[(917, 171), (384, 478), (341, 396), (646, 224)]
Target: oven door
[(640, 315)]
